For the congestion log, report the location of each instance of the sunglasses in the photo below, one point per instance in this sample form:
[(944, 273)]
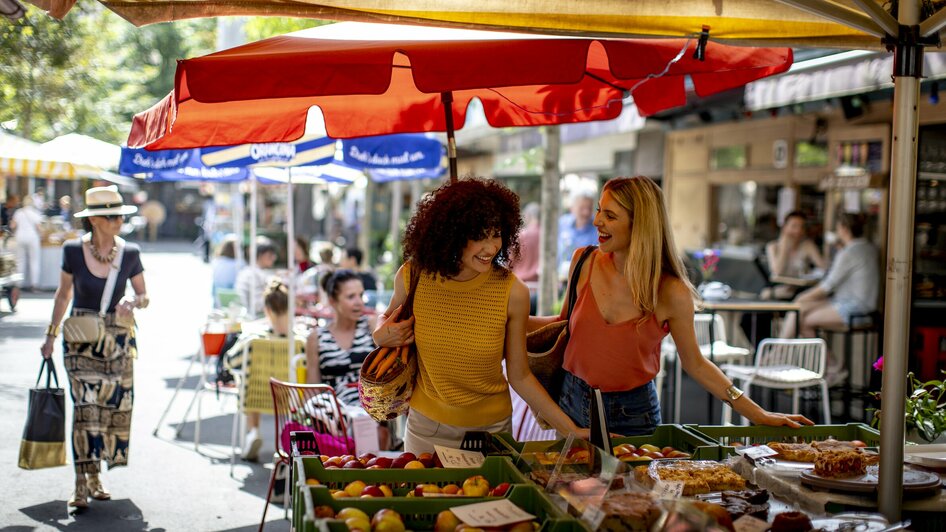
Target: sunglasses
[(113, 217)]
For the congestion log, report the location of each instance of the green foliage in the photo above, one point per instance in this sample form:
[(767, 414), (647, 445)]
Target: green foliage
[(89, 73), (923, 409), (265, 27)]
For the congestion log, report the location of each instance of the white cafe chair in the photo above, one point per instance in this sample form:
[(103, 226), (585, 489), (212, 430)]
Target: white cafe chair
[(719, 351), (784, 364)]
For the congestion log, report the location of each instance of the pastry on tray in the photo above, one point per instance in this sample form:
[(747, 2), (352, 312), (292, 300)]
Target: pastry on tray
[(795, 452), (840, 464), (629, 511), (698, 476)]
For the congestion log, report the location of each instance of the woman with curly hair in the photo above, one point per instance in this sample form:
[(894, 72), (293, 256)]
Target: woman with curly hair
[(470, 314), (633, 291)]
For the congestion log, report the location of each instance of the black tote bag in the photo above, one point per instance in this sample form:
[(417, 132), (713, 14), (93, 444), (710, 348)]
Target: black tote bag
[(44, 437)]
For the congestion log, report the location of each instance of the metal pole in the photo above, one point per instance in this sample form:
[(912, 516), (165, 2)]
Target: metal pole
[(447, 99), (907, 72), (548, 236), (254, 215), (291, 264), (236, 202)]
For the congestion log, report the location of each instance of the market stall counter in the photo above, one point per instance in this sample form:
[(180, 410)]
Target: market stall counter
[(696, 476)]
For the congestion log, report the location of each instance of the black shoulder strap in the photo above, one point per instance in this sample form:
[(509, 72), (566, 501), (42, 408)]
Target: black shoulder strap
[(573, 282)]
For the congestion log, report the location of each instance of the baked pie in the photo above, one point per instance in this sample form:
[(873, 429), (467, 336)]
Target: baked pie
[(795, 452), (840, 464), (629, 511)]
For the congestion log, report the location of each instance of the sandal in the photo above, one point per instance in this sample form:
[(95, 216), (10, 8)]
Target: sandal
[(80, 497), (98, 491)]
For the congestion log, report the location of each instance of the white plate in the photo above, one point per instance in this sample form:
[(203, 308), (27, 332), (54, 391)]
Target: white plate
[(925, 455)]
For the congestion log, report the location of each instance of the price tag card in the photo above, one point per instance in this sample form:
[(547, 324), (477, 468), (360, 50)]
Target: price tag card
[(457, 458), (491, 514), (756, 452), (668, 489), (747, 523)]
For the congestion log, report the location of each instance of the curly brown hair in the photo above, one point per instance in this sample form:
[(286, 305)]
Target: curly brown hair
[(449, 217)]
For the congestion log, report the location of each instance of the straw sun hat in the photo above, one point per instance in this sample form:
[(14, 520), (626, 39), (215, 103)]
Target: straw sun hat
[(104, 201)]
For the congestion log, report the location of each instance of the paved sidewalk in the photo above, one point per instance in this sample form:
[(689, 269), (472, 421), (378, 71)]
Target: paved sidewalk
[(167, 485)]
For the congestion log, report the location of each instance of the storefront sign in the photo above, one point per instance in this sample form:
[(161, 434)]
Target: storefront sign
[(835, 181)]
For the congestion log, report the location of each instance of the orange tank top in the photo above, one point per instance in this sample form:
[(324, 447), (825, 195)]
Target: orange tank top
[(613, 357)]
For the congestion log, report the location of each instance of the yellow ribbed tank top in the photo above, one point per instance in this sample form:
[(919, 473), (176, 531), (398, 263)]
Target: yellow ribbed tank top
[(460, 332)]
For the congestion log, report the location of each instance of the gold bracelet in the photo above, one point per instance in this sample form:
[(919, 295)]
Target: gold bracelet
[(52, 330)]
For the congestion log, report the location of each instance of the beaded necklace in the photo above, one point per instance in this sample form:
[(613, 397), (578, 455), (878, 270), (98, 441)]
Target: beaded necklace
[(107, 259)]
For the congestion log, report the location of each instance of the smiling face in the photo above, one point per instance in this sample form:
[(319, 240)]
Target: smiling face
[(613, 223), (350, 299), (478, 255)]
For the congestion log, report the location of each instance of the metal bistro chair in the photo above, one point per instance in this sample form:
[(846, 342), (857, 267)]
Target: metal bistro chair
[(305, 407), (785, 364), (718, 350)]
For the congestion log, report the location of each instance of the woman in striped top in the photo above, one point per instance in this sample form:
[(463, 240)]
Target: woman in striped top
[(334, 353)]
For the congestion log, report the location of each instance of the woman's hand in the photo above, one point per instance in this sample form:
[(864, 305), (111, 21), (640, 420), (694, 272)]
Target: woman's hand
[(47, 348), (395, 333), (774, 419), (126, 307)]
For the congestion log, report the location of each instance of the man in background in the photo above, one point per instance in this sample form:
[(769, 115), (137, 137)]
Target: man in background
[(527, 267), (352, 261), (576, 230)]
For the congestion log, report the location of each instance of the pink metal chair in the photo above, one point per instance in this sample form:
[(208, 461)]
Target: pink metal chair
[(305, 407)]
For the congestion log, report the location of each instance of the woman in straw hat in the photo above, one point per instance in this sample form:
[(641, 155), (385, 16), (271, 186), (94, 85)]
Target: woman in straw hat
[(100, 372)]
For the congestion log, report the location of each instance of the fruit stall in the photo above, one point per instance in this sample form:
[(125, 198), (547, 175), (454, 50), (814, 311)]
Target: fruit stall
[(678, 478)]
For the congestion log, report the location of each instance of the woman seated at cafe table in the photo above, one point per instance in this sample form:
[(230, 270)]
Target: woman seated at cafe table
[(793, 255), (633, 291)]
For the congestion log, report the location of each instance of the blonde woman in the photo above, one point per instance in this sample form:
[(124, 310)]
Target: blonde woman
[(633, 291)]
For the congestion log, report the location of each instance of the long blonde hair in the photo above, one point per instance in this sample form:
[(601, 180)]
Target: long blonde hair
[(651, 252)]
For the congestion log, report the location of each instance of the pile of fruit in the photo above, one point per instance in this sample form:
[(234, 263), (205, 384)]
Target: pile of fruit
[(475, 486), (447, 521), (575, 455), (370, 461), (385, 520), (627, 452)]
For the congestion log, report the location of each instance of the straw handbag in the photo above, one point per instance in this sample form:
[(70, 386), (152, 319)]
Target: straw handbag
[(389, 395), (546, 346)]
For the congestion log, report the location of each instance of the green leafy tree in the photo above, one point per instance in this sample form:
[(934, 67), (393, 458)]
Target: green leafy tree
[(264, 27)]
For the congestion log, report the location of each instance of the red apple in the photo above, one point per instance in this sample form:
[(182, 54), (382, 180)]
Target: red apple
[(500, 490), (427, 461), (353, 464), (383, 462), (372, 491), (408, 455), (365, 457), (437, 462), (666, 450)]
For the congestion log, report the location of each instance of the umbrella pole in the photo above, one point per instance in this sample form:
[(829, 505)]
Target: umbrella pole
[(447, 99), (908, 69), (251, 261), (291, 263)]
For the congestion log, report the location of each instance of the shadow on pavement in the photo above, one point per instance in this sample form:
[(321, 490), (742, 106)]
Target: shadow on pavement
[(120, 515), (190, 383)]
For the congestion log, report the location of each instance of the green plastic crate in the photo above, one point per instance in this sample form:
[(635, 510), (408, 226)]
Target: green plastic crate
[(421, 513), (681, 439), (757, 434), (496, 469)]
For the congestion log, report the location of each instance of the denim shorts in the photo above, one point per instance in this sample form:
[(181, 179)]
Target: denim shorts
[(629, 413), (848, 307)]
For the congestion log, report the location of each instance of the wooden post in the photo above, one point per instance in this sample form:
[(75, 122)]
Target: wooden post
[(548, 219)]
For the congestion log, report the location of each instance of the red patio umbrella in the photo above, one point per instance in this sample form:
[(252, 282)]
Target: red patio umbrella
[(373, 79)]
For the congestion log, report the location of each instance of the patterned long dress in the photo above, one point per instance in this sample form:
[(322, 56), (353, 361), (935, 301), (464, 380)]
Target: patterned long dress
[(339, 367), (101, 377)]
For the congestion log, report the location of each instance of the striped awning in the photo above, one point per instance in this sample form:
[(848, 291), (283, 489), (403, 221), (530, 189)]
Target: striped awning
[(45, 169), (754, 22)]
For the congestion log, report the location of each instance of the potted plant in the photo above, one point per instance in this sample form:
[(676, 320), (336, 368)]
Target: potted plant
[(924, 411)]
